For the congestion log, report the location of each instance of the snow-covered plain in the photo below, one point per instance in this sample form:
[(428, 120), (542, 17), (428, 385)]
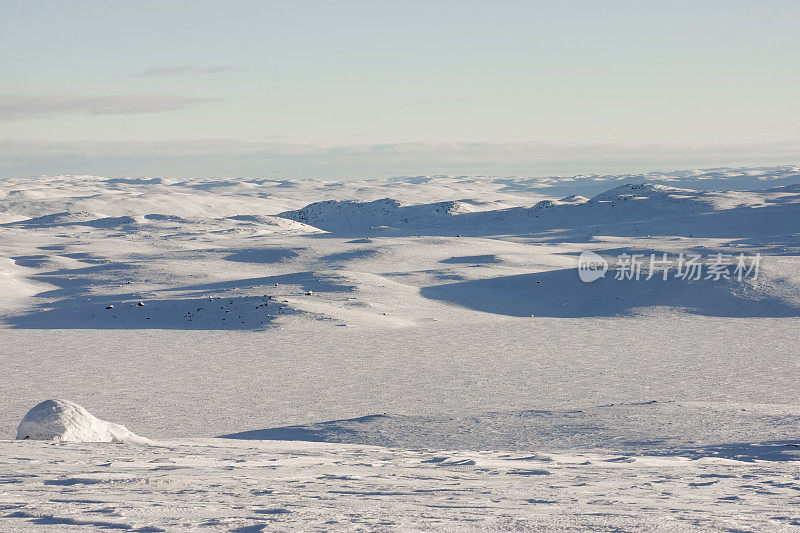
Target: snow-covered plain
[(422, 346)]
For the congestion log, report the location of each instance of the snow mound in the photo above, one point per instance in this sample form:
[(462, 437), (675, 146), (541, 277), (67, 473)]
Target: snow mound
[(65, 421)]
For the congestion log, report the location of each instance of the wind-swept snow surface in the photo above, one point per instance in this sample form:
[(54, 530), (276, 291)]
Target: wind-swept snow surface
[(435, 336), (225, 485)]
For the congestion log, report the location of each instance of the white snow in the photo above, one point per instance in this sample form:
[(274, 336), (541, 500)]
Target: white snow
[(430, 333), (65, 421), (226, 485)]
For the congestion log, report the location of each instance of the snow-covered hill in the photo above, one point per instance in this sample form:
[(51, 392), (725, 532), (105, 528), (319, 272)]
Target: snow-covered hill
[(644, 209)]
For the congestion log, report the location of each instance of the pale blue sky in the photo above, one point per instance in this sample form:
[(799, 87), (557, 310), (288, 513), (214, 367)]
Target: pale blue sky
[(375, 88)]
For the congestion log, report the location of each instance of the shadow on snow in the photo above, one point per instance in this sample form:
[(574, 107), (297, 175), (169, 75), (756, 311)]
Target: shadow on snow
[(561, 293)]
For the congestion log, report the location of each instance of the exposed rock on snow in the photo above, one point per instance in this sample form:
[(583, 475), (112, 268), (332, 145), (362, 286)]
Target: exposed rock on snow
[(62, 420)]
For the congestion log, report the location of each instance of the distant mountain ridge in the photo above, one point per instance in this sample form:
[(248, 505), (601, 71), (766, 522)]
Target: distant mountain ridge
[(632, 202)]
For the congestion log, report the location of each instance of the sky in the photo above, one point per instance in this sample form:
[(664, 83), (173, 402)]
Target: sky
[(356, 89)]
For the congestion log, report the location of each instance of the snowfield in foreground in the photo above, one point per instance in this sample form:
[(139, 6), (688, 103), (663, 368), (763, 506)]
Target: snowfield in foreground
[(226, 485), (61, 484), (416, 353)]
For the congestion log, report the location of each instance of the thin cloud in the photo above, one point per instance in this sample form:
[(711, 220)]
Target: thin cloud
[(487, 151), (231, 157), (187, 70), (21, 107)]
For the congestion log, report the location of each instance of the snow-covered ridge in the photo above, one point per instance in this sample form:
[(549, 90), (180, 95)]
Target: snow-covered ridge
[(711, 178), (628, 202), (154, 221), (346, 214), (648, 191), (28, 197)]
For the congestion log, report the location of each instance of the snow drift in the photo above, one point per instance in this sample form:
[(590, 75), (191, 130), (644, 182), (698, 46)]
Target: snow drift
[(65, 421)]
